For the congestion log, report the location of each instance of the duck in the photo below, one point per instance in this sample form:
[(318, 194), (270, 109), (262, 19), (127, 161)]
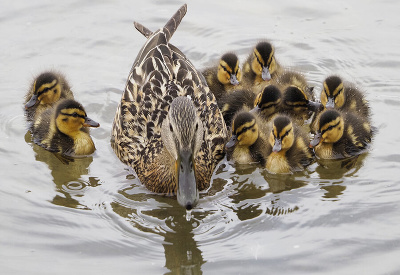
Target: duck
[(225, 77), (341, 135), (234, 102), (64, 129), (343, 96), (168, 126), (45, 91), (268, 103), (260, 67), (279, 146), (290, 151), (249, 141)]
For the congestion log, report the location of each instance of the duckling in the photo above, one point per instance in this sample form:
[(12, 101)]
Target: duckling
[(168, 126), (260, 67), (297, 105), (224, 78), (269, 102), (248, 143), (341, 135), (235, 101), (290, 151), (46, 89), (343, 96), (290, 77), (62, 129)]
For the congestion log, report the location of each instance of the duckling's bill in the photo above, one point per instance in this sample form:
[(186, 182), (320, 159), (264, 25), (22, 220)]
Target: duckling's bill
[(90, 123)]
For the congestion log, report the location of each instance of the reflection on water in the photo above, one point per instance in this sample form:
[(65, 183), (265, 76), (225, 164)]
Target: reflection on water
[(67, 175)]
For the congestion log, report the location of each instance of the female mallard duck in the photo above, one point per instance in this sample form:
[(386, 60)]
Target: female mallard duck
[(225, 77), (45, 91), (283, 150), (290, 151), (168, 126), (343, 96), (341, 135), (63, 129), (260, 67)]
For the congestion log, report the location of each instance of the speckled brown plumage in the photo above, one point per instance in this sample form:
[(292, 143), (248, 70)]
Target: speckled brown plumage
[(160, 73)]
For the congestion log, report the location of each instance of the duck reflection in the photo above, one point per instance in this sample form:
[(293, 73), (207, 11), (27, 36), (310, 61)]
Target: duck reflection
[(333, 173), (182, 254), (67, 174)]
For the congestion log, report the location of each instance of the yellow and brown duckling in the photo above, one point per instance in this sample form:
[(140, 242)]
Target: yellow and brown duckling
[(290, 151), (248, 143), (296, 104), (268, 103), (343, 96), (46, 89), (225, 77), (280, 147), (290, 77), (168, 127), (234, 102), (260, 67), (63, 129), (341, 135)]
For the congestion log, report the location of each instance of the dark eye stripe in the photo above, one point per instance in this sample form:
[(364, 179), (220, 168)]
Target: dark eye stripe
[(245, 129), (330, 128), (46, 89), (74, 115)]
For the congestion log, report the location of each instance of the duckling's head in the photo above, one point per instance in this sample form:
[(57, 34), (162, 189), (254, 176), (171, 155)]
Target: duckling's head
[(268, 101), (182, 133), (281, 137), (244, 130), (46, 90), (296, 101), (71, 117), (229, 71), (263, 60), (332, 95), (330, 128)]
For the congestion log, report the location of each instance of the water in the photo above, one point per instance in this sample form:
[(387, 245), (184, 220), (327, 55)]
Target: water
[(93, 216)]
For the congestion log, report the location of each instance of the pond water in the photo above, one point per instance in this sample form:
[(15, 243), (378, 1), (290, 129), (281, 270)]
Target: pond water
[(93, 216)]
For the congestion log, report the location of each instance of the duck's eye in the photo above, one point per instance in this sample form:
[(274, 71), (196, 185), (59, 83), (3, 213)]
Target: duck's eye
[(197, 127), (75, 115), (170, 127)]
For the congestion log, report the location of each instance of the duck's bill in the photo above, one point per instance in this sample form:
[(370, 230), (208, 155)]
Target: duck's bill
[(316, 140), (255, 110), (234, 81), (232, 142), (265, 74), (315, 106), (187, 192), (31, 102), (330, 104), (277, 145), (90, 123)]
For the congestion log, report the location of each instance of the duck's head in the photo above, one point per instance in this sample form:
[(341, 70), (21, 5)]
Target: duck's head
[(263, 60), (296, 101), (229, 71), (281, 137), (182, 133), (330, 128), (268, 101), (332, 95), (244, 130), (71, 117), (46, 90)]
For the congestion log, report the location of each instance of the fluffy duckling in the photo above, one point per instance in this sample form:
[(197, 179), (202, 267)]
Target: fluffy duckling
[(343, 96), (290, 151), (341, 135), (269, 102), (45, 91), (260, 67), (235, 101), (63, 129), (296, 104), (248, 143), (293, 78), (225, 77)]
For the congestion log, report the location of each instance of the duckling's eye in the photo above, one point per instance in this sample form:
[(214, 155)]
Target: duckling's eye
[(225, 69), (75, 115), (287, 132), (170, 127)]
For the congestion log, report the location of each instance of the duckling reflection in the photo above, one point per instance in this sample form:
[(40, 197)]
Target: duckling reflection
[(182, 253), (67, 174)]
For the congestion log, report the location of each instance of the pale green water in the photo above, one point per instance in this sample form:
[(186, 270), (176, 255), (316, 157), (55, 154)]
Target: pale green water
[(94, 217)]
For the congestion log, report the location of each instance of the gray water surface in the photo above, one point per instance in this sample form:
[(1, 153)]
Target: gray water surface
[(93, 216)]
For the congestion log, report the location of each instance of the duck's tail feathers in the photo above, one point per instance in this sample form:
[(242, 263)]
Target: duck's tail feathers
[(172, 24), (143, 30)]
